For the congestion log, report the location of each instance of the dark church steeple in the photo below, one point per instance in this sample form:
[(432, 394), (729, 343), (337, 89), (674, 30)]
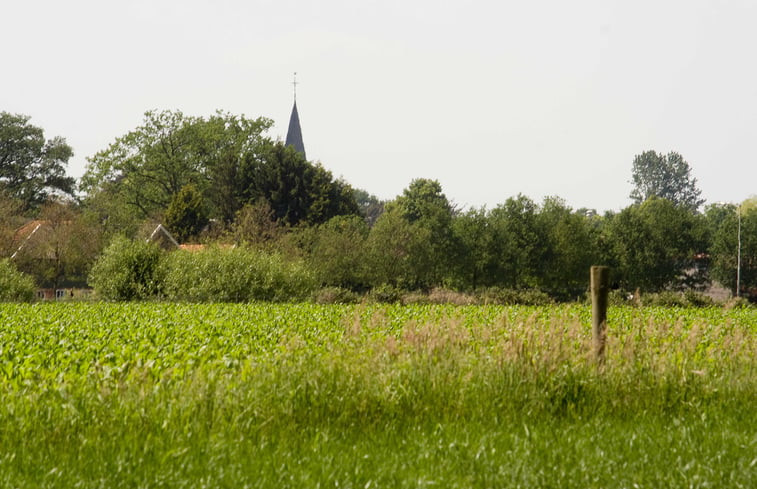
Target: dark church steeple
[(294, 134)]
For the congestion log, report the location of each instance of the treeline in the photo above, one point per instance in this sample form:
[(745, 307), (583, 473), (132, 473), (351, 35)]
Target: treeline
[(221, 182)]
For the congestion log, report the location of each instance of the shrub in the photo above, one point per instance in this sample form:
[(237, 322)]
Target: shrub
[(235, 275), (736, 303), (186, 216), (385, 294), (438, 296), (335, 295), (446, 296), (527, 297), (697, 299), (14, 285), (127, 270), (414, 297), (665, 298)]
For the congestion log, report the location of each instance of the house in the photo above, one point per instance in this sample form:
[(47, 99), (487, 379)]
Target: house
[(164, 239)]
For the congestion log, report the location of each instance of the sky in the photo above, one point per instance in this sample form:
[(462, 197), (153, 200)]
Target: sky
[(490, 98)]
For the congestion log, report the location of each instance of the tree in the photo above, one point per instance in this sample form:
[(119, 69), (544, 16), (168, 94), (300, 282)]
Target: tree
[(60, 248), (32, 168), (569, 249), (397, 253), (370, 206), (337, 252), (723, 221), (654, 245), (186, 214), (424, 205), (11, 219), (148, 166), (517, 245), (474, 235), (665, 176), (297, 191), (255, 225), (222, 142)]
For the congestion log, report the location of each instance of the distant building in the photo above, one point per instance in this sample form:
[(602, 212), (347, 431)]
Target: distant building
[(294, 134)]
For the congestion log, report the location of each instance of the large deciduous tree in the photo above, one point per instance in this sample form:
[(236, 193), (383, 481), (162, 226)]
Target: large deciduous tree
[(148, 166), (297, 190), (424, 205), (31, 167), (225, 157), (569, 249), (654, 245), (665, 176)]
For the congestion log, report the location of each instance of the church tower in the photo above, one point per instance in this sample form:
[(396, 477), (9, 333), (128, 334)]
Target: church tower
[(294, 134)]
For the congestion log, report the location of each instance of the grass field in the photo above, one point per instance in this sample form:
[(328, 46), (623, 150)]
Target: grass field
[(172, 395)]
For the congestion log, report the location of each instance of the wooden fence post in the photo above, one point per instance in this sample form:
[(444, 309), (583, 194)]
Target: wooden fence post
[(600, 288)]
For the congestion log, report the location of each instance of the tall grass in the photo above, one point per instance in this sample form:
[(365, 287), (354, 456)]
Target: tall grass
[(353, 396)]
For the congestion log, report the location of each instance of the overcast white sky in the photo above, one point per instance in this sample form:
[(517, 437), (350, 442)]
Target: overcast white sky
[(491, 98)]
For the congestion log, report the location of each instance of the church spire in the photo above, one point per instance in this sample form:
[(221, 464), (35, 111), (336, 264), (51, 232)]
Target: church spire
[(294, 134)]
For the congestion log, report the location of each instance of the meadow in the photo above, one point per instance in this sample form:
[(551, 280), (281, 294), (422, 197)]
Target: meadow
[(300, 395)]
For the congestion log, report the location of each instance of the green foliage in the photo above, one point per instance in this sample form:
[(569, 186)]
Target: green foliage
[(653, 246), (569, 250), (238, 274), (335, 295), (186, 215), (148, 166), (337, 252), (385, 294), (476, 241), (424, 206), (62, 249), (31, 168), (14, 285), (145, 168), (255, 225), (11, 219), (667, 177), (665, 299), (128, 270), (504, 296), (517, 245), (297, 191), (370, 206), (412, 244), (398, 253), (724, 228), (224, 143)]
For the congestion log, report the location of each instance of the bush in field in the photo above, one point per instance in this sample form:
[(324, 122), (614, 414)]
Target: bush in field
[(14, 285), (335, 295), (234, 275), (385, 293), (127, 270), (439, 296), (526, 297), (671, 298)]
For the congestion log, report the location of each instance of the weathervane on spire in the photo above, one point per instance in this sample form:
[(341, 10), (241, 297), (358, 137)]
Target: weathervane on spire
[(294, 83)]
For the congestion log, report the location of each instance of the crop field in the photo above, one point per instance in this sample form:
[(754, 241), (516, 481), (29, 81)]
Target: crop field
[(108, 395)]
